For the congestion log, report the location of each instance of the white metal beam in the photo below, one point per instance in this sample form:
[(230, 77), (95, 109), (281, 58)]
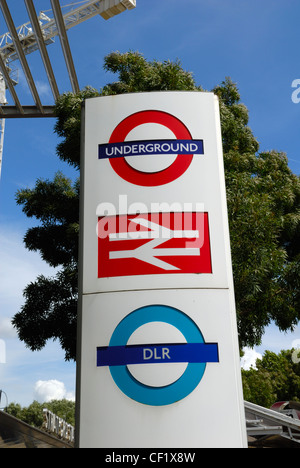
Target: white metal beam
[(65, 44), (42, 48)]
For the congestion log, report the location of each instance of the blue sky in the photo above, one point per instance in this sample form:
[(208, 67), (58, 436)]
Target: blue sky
[(253, 42)]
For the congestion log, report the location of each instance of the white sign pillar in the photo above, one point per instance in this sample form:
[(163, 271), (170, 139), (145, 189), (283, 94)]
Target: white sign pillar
[(158, 346)]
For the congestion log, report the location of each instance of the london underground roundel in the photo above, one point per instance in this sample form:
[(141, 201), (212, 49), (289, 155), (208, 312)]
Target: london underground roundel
[(195, 352), (148, 179)]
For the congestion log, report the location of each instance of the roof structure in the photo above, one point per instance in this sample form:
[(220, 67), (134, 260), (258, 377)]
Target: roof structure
[(274, 429), (20, 41), (17, 434), (34, 35)]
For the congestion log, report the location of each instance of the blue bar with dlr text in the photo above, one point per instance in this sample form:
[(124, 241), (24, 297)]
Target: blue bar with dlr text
[(157, 353)]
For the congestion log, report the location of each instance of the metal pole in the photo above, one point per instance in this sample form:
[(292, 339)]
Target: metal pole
[(2, 128), (2, 391), (2, 121)]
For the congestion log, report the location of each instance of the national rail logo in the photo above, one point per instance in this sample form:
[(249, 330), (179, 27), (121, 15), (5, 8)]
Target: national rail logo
[(154, 243)]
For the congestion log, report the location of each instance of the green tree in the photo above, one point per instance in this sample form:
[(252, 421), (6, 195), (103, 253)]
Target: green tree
[(50, 307), (263, 205), (15, 409), (33, 414), (275, 378)]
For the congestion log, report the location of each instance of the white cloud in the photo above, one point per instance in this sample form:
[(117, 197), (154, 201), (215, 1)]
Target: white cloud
[(43, 89), (249, 358), (47, 390)]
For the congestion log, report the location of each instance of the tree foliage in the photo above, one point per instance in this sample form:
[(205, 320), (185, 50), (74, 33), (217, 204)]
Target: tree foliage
[(33, 414), (136, 74), (50, 307), (263, 197), (275, 378)]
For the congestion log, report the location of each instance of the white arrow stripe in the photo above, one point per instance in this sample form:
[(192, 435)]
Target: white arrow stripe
[(157, 231), (148, 253)]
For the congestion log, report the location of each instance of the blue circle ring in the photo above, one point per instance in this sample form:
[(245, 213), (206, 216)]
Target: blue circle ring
[(157, 396)]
